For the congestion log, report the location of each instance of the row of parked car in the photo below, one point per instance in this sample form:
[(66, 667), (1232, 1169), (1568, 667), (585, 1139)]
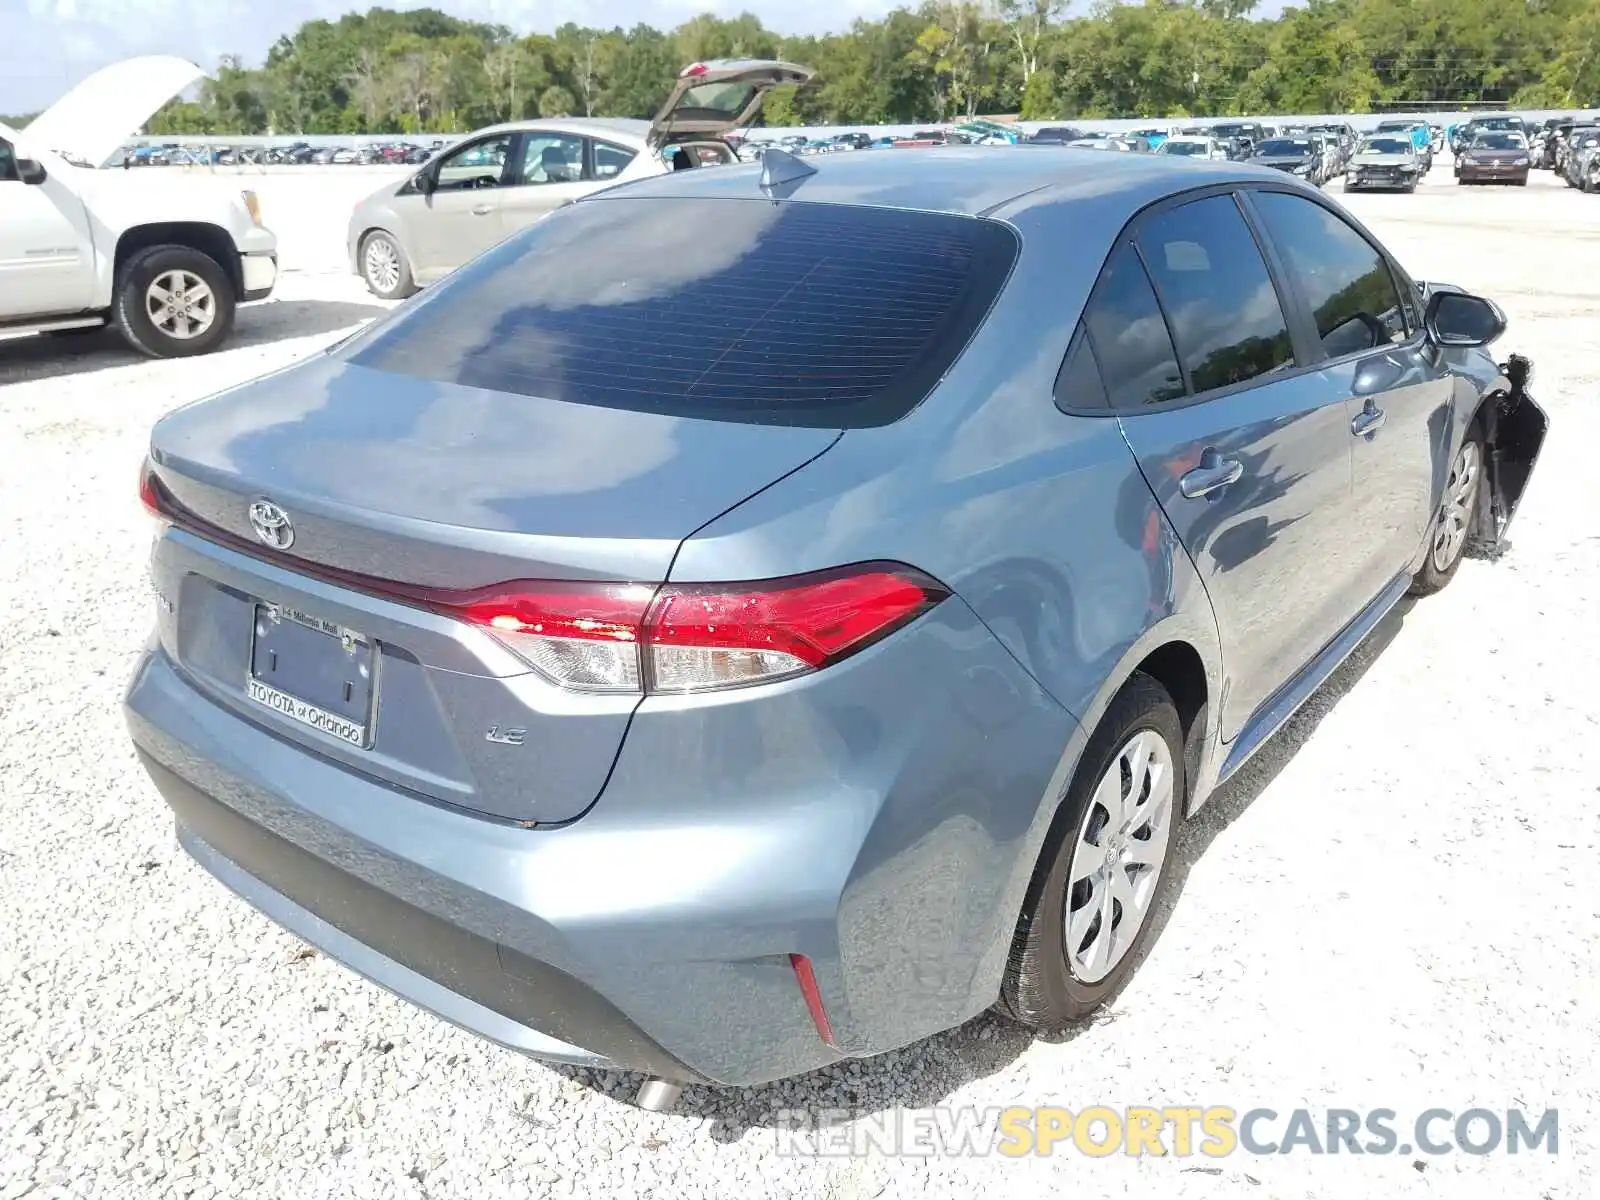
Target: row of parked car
[(1570, 146), (175, 154), (1396, 155)]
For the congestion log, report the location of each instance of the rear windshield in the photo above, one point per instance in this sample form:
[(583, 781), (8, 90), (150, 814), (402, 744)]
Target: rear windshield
[(736, 310), (711, 100)]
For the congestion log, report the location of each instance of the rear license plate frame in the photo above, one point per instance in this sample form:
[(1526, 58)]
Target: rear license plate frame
[(353, 727)]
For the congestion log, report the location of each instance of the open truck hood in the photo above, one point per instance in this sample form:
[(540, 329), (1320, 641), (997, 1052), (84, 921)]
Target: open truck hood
[(712, 99), (98, 115)]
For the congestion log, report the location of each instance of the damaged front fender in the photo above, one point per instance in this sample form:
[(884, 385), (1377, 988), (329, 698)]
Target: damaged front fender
[(1514, 429)]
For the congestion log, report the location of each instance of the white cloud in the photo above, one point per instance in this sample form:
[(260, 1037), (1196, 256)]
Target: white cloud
[(46, 46)]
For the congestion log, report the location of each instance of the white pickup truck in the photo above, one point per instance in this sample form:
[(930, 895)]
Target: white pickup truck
[(164, 257)]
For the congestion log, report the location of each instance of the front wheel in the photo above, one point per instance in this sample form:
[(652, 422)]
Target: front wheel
[(1105, 867), (174, 302), (1447, 540)]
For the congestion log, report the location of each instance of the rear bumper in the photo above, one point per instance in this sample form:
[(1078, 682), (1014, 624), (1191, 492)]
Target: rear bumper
[(1491, 174), (654, 933), (404, 948)]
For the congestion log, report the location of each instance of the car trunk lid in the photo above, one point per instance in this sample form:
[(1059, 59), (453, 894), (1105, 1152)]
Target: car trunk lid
[(399, 489), (711, 99)]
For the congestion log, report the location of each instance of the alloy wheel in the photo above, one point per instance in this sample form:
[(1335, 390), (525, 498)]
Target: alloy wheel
[(1460, 496), (382, 261), (1118, 857), (180, 304)]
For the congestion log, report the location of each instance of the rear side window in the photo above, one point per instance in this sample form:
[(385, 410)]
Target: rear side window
[(1130, 337), (610, 161), (738, 310), (1219, 299), (1078, 384), (1346, 282)]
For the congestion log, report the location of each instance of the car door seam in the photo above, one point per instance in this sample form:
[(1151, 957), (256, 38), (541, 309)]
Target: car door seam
[(1205, 590)]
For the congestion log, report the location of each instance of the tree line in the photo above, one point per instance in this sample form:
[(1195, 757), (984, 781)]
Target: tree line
[(425, 71)]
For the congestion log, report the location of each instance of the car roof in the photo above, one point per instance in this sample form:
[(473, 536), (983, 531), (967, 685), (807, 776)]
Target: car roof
[(965, 180), (628, 129)]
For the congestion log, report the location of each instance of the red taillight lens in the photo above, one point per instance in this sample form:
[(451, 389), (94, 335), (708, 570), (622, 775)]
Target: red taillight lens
[(723, 636), (147, 490), (633, 638), (583, 636)]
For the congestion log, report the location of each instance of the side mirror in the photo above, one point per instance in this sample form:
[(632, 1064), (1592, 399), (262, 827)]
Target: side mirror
[(426, 183), (30, 171), (1460, 319)]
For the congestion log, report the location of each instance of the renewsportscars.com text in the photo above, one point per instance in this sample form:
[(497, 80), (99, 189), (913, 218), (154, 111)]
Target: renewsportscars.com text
[(1214, 1131)]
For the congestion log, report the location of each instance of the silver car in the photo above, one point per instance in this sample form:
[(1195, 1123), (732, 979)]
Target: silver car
[(1385, 160), (504, 178)]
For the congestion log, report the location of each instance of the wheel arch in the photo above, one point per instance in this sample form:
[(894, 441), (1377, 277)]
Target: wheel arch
[(1182, 653), (215, 242)]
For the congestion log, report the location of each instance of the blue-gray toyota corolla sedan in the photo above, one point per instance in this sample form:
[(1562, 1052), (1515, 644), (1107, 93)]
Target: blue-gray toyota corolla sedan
[(766, 616)]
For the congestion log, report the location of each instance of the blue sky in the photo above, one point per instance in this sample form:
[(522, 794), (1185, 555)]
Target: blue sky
[(48, 45)]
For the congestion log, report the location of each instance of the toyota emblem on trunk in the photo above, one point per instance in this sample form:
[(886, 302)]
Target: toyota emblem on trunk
[(271, 524)]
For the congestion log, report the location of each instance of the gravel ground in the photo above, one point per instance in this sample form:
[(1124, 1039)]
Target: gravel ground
[(1395, 906)]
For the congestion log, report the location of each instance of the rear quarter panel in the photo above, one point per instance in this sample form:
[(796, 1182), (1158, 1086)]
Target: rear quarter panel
[(1040, 522)]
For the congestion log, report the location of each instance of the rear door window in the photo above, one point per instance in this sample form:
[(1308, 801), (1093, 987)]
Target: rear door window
[(1219, 299), (1346, 282), (741, 310), (550, 158), (1131, 342)]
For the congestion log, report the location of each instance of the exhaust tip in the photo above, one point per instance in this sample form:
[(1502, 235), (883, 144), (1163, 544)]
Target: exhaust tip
[(658, 1095)]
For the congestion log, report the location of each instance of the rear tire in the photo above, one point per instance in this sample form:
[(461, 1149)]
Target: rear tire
[(1452, 524), (197, 314), (1113, 814), (384, 266)]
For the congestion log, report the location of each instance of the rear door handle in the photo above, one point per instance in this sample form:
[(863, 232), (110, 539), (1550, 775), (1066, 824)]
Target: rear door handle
[(1213, 474), (482, 210), (1368, 421)]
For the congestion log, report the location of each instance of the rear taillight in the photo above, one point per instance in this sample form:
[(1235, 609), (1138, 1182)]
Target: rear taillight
[(697, 637), (147, 490), (582, 636)]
